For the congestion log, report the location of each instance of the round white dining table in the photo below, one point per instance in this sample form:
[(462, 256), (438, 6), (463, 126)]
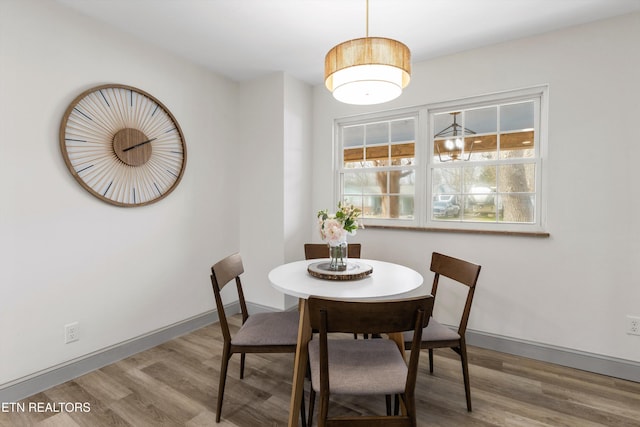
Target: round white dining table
[(386, 280)]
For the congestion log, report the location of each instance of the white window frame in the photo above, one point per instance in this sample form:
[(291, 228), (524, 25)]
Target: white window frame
[(418, 165), (424, 161)]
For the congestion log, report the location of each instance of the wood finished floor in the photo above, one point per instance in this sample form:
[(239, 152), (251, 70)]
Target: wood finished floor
[(175, 384)]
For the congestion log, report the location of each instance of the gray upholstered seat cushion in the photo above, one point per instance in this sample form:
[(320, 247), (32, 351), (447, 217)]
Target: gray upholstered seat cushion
[(372, 366), (434, 332), (280, 328)]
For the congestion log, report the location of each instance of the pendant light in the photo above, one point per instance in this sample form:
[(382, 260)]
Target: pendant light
[(454, 145), (369, 70)]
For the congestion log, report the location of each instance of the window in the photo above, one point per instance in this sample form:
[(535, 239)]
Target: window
[(473, 164), (378, 169)]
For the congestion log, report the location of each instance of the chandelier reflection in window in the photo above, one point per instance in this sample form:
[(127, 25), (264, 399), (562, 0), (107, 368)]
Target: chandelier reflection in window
[(453, 147)]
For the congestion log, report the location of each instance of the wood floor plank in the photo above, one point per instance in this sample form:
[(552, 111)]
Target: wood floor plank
[(59, 420), (102, 386), (135, 409), (175, 384)]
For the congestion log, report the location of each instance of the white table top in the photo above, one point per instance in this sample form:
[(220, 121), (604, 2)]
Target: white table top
[(386, 280)]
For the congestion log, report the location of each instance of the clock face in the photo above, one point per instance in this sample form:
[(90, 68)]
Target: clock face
[(123, 145)]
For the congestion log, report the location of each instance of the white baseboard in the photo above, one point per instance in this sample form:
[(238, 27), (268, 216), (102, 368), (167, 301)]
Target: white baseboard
[(43, 380)]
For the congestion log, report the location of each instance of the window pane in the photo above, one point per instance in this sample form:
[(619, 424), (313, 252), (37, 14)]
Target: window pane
[(517, 116), (401, 206), (353, 157), (401, 191), (482, 147), (403, 154), (446, 185), (452, 149), (482, 123), (481, 120), (377, 133), (478, 178), (517, 178), (518, 208), (356, 201), (446, 181), (441, 124), (402, 181), (403, 130), (378, 155), (365, 183), (481, 203), (374, 207), (450, 143), (353, 136), (517, 145), (445, 210)]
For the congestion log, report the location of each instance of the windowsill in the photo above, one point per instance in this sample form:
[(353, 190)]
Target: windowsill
[(458, 230)]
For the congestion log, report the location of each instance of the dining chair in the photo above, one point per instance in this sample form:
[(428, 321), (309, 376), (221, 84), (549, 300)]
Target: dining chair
[(272, 332), (437, 335), (321, 250), (342, 366)]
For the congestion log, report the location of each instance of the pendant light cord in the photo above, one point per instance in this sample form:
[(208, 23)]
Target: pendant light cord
[(367, 28)]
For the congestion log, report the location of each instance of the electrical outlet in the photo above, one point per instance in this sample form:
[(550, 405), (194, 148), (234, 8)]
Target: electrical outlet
[(633, 325), (71, 332)]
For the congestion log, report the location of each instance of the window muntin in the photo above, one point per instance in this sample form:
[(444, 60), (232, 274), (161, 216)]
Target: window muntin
[(394, 170)]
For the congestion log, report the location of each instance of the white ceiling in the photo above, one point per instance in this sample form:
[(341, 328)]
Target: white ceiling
[(243, 39)]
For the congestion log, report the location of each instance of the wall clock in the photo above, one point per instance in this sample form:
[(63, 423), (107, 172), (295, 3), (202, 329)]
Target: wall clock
[(123, 145)]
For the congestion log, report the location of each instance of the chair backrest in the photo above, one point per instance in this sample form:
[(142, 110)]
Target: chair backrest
[(222, 273), (321, 250), (411, 314), (460, 271)]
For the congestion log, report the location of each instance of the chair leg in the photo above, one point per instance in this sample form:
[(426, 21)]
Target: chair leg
[(431, 360), (410, 406), (396, 402), (312, 402), (323, 413), (242, 356), (226, 355), (465, 374), (387, 398), (303, 415)]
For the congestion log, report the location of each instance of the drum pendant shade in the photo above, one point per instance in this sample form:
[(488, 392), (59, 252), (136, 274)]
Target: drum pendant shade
[(369, 70)]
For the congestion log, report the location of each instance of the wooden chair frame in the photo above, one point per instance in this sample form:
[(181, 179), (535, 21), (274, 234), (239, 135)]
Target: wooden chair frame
[(465, 273), (321, 250), (389, 316), (223, 272)]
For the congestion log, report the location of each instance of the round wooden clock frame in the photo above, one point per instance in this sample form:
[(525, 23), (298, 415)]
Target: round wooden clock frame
[(123, 145)]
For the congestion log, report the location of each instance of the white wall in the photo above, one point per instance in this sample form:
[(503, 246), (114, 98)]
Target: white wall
[(297, 166), (66, 256), (275, 135), (261, 133), (574, 289)]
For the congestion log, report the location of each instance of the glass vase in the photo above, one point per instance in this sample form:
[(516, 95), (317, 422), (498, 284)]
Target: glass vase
[(338, 256)]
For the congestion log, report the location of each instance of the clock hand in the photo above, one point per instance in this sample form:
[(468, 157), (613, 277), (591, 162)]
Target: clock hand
[(139, 144)]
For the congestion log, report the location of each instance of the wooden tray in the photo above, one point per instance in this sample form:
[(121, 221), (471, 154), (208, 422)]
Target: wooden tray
[(354, 271)]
